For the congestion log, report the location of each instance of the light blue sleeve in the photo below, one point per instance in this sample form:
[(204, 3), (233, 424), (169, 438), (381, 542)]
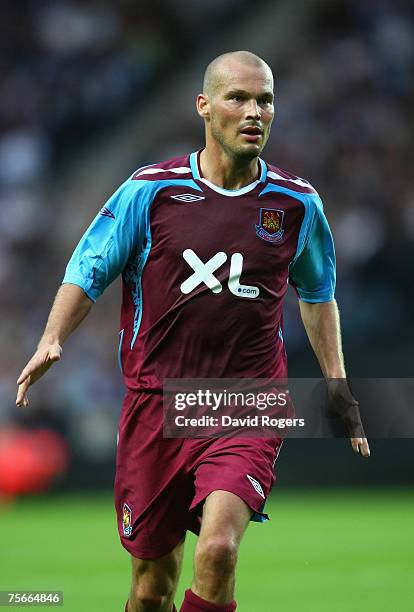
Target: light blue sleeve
[(313, 270), (117, 231)]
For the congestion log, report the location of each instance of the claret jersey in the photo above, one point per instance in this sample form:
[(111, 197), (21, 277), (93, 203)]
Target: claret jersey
[(205, 269)]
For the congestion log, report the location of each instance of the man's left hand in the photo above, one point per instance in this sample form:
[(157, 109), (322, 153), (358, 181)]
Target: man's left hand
[(343, 404)]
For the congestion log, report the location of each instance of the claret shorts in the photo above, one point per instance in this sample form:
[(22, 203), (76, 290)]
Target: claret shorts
[(161, 484)]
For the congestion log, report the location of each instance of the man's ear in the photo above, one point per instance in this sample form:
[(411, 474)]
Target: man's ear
[(202, 105)]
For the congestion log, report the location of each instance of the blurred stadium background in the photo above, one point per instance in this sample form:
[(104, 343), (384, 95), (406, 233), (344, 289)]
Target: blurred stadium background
[(89, 91)]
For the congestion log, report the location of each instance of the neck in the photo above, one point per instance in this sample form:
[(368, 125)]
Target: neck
[(227, 172)]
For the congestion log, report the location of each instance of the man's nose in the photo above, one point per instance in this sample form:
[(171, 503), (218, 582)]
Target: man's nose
[(253, 110)]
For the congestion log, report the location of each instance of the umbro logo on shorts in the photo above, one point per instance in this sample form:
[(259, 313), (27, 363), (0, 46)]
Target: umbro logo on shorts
[(187, 197), (256, 485)]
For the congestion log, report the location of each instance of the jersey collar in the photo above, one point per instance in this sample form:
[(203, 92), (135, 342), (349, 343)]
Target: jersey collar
[(195, 169)]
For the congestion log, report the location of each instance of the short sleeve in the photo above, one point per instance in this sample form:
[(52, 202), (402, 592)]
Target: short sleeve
[(103, 251), (313, 271)]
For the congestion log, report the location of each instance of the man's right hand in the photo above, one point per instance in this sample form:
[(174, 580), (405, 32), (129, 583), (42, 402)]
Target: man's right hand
[(41, 361)]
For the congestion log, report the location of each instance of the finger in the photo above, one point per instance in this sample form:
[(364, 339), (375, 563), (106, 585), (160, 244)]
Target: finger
[(29, 369), (22, 376), (21, 391), (364, 448), (21, 399), (356, 442), (360, 445)]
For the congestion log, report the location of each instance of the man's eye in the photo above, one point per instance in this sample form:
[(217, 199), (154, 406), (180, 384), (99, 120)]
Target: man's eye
[(236, 98)]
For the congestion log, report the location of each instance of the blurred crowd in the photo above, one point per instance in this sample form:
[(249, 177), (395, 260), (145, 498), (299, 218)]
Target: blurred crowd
[(72, 70)]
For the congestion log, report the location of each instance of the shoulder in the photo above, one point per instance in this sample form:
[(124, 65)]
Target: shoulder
[(171, 169), (140, 188), (282, 178)]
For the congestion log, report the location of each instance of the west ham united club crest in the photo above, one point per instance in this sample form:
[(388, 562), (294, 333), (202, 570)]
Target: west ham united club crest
[(126, 520), (270, 225)]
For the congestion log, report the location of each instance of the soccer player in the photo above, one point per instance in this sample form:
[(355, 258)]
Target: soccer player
[(206, 245)]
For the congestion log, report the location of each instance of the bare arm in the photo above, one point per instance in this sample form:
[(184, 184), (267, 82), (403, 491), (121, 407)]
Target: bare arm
[(70, 307), (322, 325)]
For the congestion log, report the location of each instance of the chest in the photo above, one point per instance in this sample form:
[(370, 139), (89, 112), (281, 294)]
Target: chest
[(262, 229)]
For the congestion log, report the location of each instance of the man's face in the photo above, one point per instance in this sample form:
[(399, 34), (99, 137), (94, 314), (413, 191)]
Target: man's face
[(241, 110)]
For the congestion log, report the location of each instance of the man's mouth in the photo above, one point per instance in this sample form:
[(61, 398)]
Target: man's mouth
[(252, 133)]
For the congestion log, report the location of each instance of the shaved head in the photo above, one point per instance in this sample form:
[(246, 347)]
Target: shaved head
[(218, 71)]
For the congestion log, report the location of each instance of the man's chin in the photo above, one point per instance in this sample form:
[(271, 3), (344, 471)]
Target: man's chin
[(249, 151)]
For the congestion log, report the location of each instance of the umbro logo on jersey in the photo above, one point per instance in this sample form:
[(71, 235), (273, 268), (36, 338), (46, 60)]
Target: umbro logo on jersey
[(187, 197), (256, 485), (105, 212)]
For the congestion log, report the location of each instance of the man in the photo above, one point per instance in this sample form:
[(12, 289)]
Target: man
[(206, 244)]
